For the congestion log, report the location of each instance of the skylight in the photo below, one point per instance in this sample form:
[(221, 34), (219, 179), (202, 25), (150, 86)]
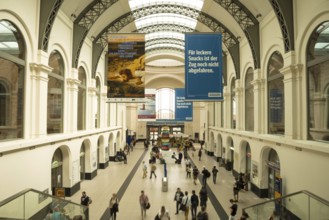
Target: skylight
[(164, 19)]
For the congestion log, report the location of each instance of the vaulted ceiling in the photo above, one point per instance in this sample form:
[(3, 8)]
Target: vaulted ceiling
[(164, 22)]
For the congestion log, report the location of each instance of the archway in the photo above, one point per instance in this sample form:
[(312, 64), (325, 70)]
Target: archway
[(100, 151), (111, 148), (270, 172), (84, 159), (60, 168)]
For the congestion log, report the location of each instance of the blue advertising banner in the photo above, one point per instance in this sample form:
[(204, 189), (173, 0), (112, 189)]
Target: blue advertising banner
[(184, 109), (146, 110), (203, 66)]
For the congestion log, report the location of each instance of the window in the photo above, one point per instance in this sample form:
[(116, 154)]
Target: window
[(55, 94), (165, 103), (81, 99), (318, 83), (12, 74), (249, 100), (275, 94)]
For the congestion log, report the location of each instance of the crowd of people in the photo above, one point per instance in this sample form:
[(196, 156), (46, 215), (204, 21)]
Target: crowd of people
[(192, 203)]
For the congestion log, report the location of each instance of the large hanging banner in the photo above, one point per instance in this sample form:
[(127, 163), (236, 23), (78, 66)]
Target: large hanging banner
[(203, 67), (184, 109), (146, 111), (126, 67)]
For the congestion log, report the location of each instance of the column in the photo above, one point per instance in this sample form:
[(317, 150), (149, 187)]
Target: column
[(259, 102), (239, 105), (292, 96), (72, 102), (91, 103), (38, 96)]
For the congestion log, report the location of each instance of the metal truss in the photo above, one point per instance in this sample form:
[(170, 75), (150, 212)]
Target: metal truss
[(48, 12), (284, 14), (247, 22), (239, 12), (92, 12), (228, 38)]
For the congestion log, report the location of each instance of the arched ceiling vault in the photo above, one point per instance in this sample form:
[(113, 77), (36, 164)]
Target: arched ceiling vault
[(86, 13)]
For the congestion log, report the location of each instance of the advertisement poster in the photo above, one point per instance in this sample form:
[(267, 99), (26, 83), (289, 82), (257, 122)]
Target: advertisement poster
[(126, 66), (146, 110), (184, 109), (203, 67)]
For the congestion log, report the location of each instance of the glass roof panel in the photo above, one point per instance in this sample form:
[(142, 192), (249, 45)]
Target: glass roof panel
[(196, 4), (165, 46), (165, 18)]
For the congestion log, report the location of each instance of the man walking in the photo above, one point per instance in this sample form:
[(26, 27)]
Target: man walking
[(194, 204), (153, 168), (214, 174), (178, 198)]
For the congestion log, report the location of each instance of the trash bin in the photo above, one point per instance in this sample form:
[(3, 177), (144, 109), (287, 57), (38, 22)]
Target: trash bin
[(164, 184)]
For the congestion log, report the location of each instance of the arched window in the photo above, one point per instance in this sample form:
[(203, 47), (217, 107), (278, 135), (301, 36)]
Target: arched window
[(81, 99), (12, 76), (98, 102), (249, 100), (165, 103), (275, 88), (57, 169), (318, 83), (55, 94), (233, 104)]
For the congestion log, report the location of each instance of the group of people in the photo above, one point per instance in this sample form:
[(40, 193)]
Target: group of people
[(185, 203)]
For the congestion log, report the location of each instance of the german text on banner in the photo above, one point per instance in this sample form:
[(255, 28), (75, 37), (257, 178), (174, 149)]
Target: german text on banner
[(203, 66), (184, 109), (126, 66)]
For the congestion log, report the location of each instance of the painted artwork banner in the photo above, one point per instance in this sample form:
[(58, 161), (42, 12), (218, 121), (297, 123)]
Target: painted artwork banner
[(126, 67), (184, 109), (203, 67), (146, 111)]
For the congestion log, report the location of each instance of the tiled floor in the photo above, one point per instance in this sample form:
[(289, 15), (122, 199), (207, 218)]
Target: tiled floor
[(112, 178)]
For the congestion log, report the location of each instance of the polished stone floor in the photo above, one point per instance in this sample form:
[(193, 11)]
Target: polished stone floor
[(126, 180)]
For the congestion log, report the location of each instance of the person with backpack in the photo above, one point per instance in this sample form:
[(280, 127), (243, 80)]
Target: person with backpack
[(203, 195), (233, 210), (202, 215), (194, 204), (86, 201), (195, 172), (206, 175), (114, 206)]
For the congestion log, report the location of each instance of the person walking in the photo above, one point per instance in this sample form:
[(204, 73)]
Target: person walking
[(143, 201), (144, 170), (205, 175), (86, 201), (195, 174), (194, 204), (233, 210), (214, 174), (200, 154), (153, 168), (163, 214), (236, 190), (114, 206), (186, 202), (202, 215), (188, 171), (203, 195), (178, 198)]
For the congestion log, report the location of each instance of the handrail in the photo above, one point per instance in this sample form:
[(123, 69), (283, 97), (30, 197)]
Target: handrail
[(292, 194), (15, 196)]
